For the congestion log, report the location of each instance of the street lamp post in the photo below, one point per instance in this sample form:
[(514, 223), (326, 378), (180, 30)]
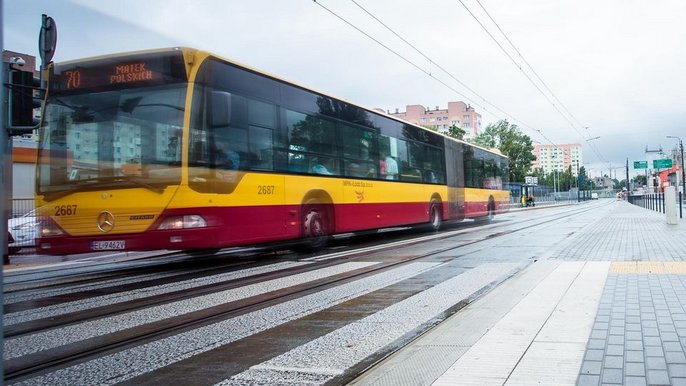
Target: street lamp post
[(555, 189), (601, 173), (681, 148), (576, 180)]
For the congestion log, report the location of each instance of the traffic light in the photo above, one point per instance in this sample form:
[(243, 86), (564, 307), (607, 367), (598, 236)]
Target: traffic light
[(25, 95)]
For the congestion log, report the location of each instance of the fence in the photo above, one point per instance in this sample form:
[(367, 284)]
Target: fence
[(656, 202), (549, 197), (22, 226)]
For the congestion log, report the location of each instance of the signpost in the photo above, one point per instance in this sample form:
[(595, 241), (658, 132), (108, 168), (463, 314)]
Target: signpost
[(662, 163), (640, 164)]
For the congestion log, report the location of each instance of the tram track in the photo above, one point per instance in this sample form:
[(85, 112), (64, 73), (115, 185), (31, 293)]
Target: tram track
[(179, 269), (94, 269), (60, 356)]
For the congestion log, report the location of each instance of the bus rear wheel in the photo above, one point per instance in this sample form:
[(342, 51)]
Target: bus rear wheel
[(491, 210), (315, 228), (490, 213), (435, 218)]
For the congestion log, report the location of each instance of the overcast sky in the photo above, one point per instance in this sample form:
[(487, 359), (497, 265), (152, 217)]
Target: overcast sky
[(617, 67)]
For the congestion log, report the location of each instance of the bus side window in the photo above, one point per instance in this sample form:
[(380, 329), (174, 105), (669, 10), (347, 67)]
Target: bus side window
[(358, 146), (261, 153), (298, 163), (311, 134)]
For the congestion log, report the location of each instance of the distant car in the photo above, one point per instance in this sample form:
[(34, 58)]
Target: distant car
[(594, 196), (22, 232)]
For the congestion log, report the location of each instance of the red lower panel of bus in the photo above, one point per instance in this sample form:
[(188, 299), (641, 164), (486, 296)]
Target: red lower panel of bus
[(235, 226), (476, 209)]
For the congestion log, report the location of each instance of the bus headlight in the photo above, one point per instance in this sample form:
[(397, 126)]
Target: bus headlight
[(183, 222), (48, 228)]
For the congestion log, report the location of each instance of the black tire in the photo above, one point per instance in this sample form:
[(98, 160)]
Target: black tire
[(491, 211), (435, 216), (315, 227)]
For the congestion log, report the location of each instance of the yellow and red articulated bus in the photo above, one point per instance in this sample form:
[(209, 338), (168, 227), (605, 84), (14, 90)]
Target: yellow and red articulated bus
[(180, 149)]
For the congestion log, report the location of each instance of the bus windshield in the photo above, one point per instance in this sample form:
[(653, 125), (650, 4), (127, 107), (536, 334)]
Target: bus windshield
[(129, 137)]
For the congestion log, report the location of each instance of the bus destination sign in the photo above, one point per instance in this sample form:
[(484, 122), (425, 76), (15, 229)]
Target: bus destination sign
[(118, 72), (126, 73), (123, 73)]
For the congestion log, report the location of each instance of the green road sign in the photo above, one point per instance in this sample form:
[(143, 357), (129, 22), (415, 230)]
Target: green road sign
[(662, 163), (640, 164)]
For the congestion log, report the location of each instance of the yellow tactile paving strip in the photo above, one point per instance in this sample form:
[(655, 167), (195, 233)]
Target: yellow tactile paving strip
[(657, 267)]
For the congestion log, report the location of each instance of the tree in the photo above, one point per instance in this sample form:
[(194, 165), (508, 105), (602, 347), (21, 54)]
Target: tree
[(541, 175), (456, 132), (511, 142), (453, 131), (641, 180)]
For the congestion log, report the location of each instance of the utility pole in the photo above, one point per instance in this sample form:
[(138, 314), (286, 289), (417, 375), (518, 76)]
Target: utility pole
[(3, 198), (6, 165), (16, 117), (683, 176), (628, 186)]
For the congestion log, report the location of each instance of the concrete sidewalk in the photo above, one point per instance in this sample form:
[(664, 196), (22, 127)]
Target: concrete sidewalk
[(608, 307)]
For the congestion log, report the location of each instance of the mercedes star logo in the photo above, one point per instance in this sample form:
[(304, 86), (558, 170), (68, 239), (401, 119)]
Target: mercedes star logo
[(105, 221)]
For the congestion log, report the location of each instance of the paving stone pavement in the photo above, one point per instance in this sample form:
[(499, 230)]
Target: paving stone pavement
[(627, 233), (639, 333), (631, 320)]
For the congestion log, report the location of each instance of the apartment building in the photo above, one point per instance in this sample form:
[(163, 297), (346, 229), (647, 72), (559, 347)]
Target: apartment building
[(457, 114), (558, 157)]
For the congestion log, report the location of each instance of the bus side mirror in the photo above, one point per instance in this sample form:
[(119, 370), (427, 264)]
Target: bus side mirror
[(220, 109)]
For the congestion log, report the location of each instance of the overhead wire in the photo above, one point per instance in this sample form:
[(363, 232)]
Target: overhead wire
[(431, 61), (592, 146), (527, 63), (391, 50), (518, 66)]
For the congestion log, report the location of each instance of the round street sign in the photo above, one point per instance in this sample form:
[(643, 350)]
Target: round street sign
[(47, 40)]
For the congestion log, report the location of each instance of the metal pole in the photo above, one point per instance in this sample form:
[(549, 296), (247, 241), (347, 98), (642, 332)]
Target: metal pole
[(628, 186), (661, 202), (576, 177), (4, 158), (683, 175), (664, 204)]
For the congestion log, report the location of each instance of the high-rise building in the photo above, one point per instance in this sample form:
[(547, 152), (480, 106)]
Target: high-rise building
[(558, 157), (457, 114)]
